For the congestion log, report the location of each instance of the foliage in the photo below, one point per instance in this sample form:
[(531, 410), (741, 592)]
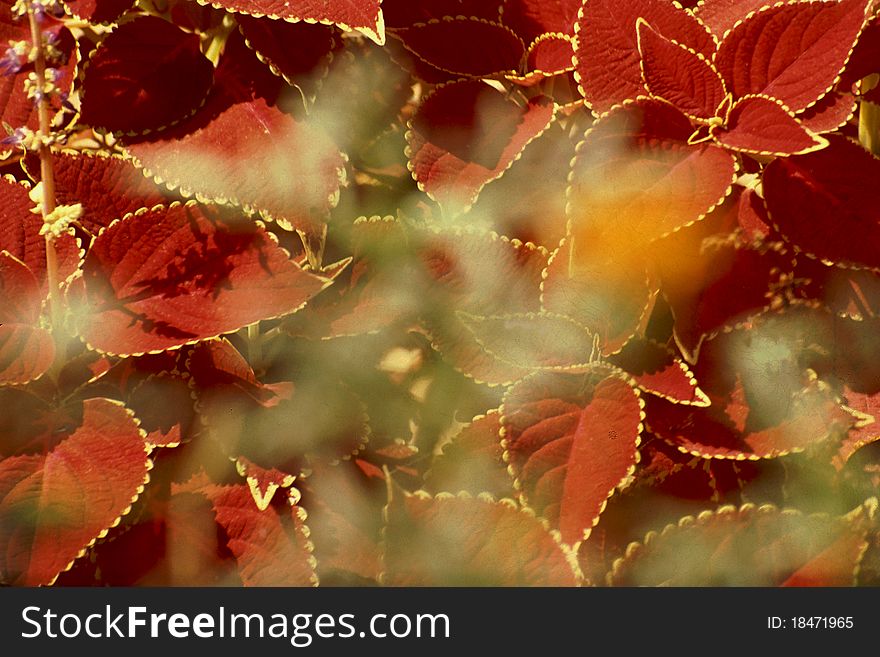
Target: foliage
[(262, 262)]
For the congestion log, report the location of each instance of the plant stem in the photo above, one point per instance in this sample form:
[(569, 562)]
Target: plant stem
[(255, 347), (47, 171), (869, 117)]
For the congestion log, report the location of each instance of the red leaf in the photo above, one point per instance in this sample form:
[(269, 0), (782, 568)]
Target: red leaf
[(752, 215), (20, 235), (864, 432), (217, 363), (679, 74), (606, 48), (609, 296), (749, 546), (825, 203), (481, 48), (365, 16), (20, 292), (271, 548), (765, 402), (764, 126), (175, 275), (303, 66), (466, 134), (345, 523), (854, 294), (98, 11), (464, 541), (473, 461), (832, 111), (721, 15), (635, 179), (656, 370), (713, 283), (572, 441), (865, 57), (264, 483), (532, 18), (237, 148), (146, 75), (54, 506), (533, 341), (549, 54), (404, 13), (793, 52), (26, 352), (108, 187)]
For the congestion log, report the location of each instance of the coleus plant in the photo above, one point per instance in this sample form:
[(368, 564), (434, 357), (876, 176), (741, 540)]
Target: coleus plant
[(262, 262)]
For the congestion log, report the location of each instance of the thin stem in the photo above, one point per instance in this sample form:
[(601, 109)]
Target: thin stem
[(255, 347), (869, 117), (47, 171)]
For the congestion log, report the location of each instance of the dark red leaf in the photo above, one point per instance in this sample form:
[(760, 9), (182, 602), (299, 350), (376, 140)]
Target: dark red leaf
[(465, 46), (713, 283), (606, 48), (825, 203), (749, 546), (303, 66), (764, 126), (53, 506), (98, 11), (656, 370), (146, 75), (854, 294), (532, 18), (365, 16), (466, 134), (572, 441), (170, 276), (473, 461), (237, 148), (865, 57), (679, 74), (752, 216), (164, 404), (271, 548), (216, 363), (108, 187), (550, 54), (516, 206), (404, 13), (832, 111), (793, 52), (464, 541)]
